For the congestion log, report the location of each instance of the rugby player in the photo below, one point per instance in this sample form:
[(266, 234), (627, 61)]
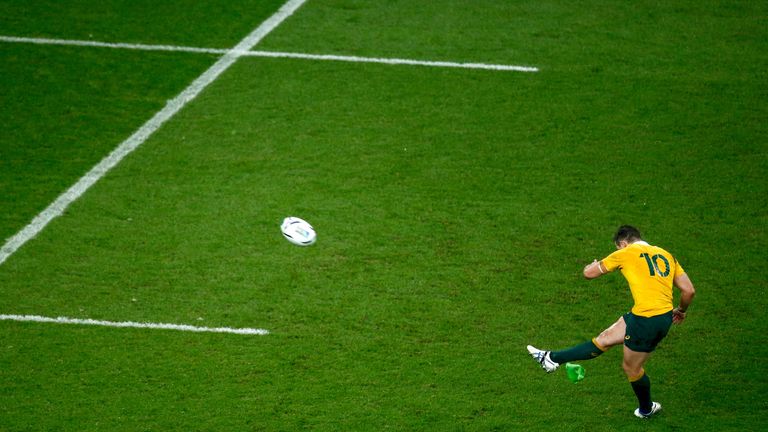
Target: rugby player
[(651, 272)]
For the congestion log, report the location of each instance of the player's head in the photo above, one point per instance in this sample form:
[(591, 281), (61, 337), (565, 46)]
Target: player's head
[(626, 235)]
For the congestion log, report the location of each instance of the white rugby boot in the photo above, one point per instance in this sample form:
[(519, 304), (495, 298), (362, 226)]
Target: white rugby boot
[(542, 357), (655, 408)]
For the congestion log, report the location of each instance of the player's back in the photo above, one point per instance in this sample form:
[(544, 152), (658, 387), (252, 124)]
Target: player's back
[(650, 272)]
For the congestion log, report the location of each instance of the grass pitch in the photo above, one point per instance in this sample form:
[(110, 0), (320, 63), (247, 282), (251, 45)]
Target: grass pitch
[(454, 210)]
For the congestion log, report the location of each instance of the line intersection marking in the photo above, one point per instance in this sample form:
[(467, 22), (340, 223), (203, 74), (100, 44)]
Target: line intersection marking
[(173, 106)]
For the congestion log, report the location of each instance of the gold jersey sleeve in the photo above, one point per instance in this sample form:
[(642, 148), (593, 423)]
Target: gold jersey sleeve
[(650, 272)]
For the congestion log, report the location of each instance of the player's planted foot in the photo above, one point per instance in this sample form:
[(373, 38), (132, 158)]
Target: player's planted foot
[(542, 357), (655, 408)]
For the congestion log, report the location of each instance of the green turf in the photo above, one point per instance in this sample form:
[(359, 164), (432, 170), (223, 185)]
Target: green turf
[(209, 24), (65, 108), (455, 210)]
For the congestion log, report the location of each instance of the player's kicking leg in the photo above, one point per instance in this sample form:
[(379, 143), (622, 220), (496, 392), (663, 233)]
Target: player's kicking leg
[(551, 360)]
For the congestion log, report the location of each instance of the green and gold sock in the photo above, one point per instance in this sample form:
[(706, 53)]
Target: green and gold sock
[(642, 387), (585, 351)]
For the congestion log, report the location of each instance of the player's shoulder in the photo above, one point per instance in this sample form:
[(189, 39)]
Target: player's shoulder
[(654, 250), (659, 249), (644, 245)]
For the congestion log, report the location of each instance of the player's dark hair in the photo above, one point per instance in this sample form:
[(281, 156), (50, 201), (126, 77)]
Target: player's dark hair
[(628, 233)]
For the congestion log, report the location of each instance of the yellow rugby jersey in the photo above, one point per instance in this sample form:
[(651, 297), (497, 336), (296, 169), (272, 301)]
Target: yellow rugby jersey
[(650, 272)]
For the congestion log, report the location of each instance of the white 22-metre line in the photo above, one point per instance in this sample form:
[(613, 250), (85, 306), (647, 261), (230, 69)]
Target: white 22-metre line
[(328, 57), (131, 324), (172, 107)]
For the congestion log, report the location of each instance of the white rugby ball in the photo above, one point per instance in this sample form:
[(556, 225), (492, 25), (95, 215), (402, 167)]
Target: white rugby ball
[(298, 231)]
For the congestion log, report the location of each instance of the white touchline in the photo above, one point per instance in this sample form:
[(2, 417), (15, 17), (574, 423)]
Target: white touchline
[(131, 324), (172, 107), (275, 54)]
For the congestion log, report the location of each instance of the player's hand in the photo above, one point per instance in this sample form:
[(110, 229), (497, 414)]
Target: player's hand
[(590, 264), (593, 270), (677, 316)]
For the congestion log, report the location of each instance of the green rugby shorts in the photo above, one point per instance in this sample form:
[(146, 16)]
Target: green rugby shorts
[(644, 333)]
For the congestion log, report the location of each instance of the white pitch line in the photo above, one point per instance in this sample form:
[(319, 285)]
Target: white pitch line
[(392, 61), (86, 43), (131, 324), (273, 54), (172, 107)]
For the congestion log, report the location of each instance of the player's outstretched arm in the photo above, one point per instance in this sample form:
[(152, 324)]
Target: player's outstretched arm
[(594, 269), (687, 293)]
